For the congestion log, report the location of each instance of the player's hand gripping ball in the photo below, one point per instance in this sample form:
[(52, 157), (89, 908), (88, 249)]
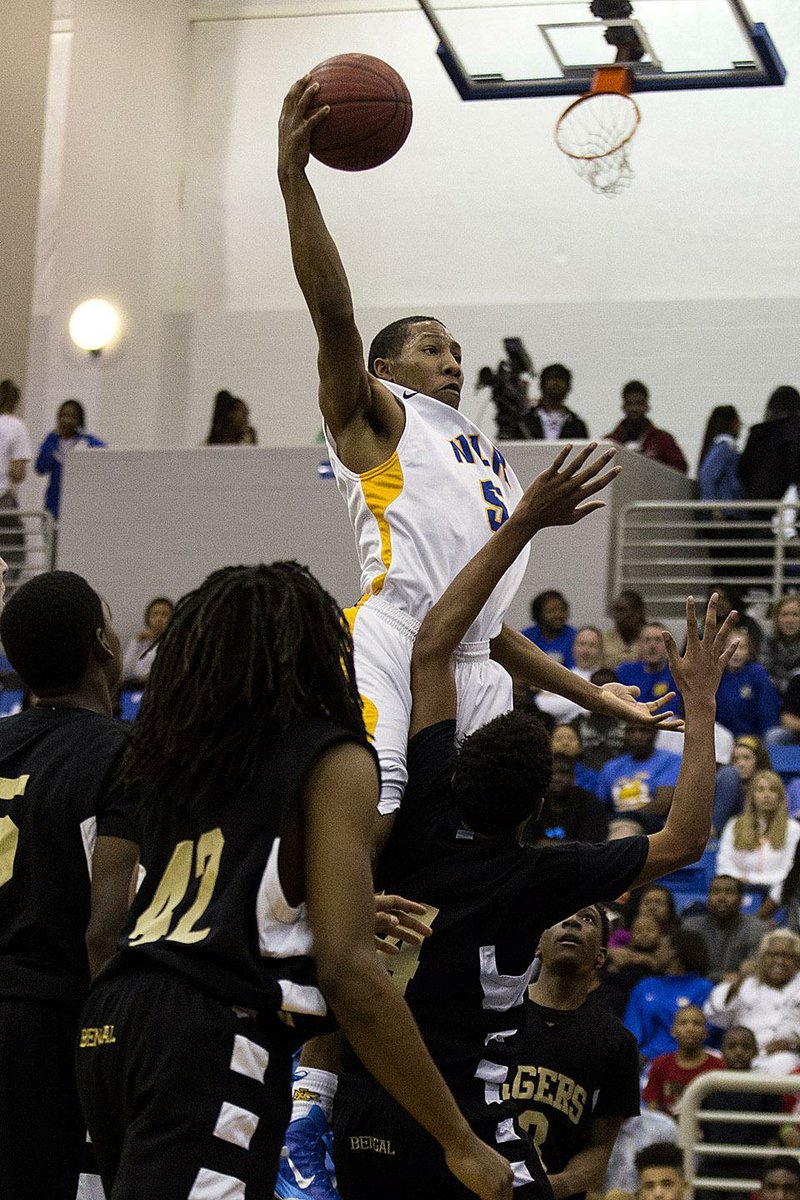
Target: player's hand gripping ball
[(370, 112)]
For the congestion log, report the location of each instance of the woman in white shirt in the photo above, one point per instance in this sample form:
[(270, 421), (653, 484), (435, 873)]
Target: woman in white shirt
[(15, 454), (758, 847)]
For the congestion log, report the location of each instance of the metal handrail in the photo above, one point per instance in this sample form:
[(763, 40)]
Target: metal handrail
[(658, 552), (691, 1114), (35, 553)]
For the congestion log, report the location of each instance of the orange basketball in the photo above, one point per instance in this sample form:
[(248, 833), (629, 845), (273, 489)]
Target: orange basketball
[(370, 113)]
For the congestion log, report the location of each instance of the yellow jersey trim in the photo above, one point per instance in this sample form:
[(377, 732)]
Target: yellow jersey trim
[(381, 487)]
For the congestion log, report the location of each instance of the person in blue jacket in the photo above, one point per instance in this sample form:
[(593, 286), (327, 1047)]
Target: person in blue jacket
[(551, 630), (747, 700), (682, 960), (719, 458), (68, 435)]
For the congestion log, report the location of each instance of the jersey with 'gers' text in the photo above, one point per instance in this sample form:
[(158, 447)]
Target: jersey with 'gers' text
[(489, 899), (55, 767), (212, 907), (424, 513), (572, 1066)]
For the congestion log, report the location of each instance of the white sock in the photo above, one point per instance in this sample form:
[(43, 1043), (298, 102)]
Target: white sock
[(311, 1085)]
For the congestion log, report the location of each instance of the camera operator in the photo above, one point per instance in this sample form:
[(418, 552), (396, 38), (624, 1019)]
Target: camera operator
[(549, 418)]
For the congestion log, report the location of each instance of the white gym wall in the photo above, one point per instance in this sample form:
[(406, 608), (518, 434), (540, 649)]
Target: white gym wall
[(159, 191)]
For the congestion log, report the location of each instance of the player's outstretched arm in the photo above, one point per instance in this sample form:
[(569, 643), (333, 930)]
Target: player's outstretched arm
[(560, 495), (339, 815), (697, 675), (526, 662), (347, 393)]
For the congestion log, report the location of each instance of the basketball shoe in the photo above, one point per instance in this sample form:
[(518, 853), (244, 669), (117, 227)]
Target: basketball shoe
[(305, 1170)]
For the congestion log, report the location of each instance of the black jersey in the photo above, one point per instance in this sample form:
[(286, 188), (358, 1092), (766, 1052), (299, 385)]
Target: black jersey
[(572, 1066), (55, 765), (212, 907), (489, 901)]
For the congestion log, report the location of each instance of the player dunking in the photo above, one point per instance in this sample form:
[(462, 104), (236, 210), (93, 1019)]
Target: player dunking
[(425, 489), (257, 803)]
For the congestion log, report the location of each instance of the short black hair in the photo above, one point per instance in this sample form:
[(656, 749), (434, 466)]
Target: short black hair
[(660, 1154), (691, 950), (732, 878), (390, 340), (601, 676), (781, 1162), (501, 773), (555, 371), (76, 404), (635, 387), (49, 628), (538, 602)]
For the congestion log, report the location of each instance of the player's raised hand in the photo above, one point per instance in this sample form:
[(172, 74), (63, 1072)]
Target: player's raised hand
[(698, 671), (561, 495), (400, 919), (620, 700), (481, 1169), (295, 125)]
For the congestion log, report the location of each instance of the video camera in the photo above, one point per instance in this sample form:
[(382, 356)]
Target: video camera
[(509, 390)]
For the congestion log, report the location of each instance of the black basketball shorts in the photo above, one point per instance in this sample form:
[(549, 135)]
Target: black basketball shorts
[(185, 1097)]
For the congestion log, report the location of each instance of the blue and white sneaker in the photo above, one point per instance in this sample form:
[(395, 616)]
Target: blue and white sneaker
[(303, 1173)]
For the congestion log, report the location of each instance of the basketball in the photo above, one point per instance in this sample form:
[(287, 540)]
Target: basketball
[(370, 113)]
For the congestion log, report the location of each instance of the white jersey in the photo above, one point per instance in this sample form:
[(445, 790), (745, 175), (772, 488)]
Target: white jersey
[(424, 513)]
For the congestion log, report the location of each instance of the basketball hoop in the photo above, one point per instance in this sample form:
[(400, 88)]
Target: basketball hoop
[(595, 131)]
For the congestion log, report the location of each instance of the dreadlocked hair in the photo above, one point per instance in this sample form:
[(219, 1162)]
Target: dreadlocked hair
[(246, 654)]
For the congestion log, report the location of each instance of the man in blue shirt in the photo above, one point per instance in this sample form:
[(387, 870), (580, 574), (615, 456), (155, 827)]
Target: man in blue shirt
[(638, 785), (681, 961), (650, 672)]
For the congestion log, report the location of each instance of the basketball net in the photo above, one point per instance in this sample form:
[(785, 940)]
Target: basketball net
[(595, 131)]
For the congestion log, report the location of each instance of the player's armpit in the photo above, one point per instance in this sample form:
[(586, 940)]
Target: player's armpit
[(114, 865)]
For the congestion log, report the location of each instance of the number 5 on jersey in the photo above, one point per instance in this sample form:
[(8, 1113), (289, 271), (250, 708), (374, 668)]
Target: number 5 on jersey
[(496, 511)]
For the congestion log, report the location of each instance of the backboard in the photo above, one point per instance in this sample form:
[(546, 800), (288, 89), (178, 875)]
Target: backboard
[(494, 49)]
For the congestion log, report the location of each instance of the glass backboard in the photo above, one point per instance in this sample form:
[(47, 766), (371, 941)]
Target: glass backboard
[(505, 48)]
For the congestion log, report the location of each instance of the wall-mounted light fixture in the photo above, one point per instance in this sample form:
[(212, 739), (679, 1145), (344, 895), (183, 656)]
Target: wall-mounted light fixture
[(94, 325)]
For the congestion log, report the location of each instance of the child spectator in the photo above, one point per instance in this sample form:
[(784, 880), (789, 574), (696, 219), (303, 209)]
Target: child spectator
[(780, 650), (141, 650), (759, 846), (638, 785), (781, 1179), (68, 435), (15, 454), (681, 961), (550, 630), (670, 1074), (739, 1048), (747, 700), (621, 644)]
